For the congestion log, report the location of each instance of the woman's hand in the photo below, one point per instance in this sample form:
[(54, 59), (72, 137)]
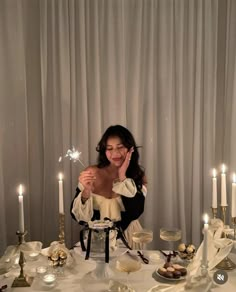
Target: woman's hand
[(122, 170), (87, 178)]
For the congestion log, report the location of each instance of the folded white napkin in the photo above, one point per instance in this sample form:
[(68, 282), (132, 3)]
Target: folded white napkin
[(218, 247)]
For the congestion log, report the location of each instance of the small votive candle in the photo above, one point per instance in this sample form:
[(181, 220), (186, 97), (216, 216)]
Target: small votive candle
[(49, 279), (41, 270), (34, 255)]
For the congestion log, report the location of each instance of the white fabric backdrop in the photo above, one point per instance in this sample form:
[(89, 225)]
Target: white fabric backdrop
[(166, 69)]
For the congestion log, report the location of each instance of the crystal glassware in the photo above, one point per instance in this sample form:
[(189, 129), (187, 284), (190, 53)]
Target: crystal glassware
[(128, 263), (170, 235)]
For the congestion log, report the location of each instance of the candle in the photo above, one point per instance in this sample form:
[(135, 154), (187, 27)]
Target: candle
[(214, 189), (223, 187), (233, 203), (49, 279), (21, 210), (205, 239), (34, 256), (61, 201), (41, 270)]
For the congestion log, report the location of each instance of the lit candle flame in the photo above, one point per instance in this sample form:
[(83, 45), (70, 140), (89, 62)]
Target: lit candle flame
[(205, 218), (60, 176), (214, 173), (20, 190), (223, 168)]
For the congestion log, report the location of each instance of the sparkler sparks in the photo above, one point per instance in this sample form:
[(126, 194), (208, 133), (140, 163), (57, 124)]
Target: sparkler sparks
[(73, 155)]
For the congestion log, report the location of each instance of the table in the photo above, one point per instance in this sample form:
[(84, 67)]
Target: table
[(78, 277)]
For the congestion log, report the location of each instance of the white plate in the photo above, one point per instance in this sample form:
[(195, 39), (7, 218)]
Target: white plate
[(170, 279)]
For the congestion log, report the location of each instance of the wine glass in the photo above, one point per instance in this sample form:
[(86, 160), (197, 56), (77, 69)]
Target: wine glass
[(171, 235), (141, 239), (128, 263)]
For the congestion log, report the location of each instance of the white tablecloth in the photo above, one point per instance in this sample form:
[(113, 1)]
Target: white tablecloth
[(78, 277)]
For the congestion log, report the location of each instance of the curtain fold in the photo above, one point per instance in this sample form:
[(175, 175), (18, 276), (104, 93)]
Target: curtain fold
[(165, 69)]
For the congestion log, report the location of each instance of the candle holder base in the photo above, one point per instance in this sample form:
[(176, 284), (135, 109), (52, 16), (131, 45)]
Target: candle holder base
[(201, 281), (24, 281), (226, 264)]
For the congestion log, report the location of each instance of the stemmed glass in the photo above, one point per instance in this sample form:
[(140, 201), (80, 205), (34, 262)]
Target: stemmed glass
[(128, 263), (171, 235), (142, 238)]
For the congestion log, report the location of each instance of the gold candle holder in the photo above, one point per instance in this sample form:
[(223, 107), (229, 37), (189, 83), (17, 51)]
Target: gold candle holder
[(214, 212), (61, 228), (21, 236), (233, 219), (223, 210), (227, 263), (22, 280)]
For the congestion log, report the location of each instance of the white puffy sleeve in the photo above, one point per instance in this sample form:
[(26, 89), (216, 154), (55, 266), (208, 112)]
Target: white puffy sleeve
[(82, 212), (125, 188)]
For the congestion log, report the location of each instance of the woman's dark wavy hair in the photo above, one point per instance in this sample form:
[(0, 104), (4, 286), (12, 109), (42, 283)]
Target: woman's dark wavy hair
[(134, 171)]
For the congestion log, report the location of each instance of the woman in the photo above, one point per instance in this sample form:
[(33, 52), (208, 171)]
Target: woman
[(116, 186)]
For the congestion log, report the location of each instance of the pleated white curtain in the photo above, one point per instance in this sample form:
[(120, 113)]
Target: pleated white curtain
[(166, 69)]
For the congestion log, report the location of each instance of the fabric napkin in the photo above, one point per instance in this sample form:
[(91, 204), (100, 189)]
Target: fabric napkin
[(218, 247)]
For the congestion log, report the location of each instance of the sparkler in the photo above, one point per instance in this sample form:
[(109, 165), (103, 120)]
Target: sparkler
[(73, 155)]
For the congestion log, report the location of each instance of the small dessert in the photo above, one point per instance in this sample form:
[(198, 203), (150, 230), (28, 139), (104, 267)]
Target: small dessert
[(177, 274), (186, 251), (169, 275), (170, 269), (162, 271), (167, 265), (182, 247)]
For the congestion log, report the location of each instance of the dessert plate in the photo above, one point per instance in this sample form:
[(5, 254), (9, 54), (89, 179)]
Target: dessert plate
[(181, 278)]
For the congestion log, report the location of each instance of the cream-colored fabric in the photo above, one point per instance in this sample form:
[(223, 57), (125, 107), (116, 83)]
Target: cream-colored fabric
[(134, 226), (125, 188), (218, 248), (109, 208)]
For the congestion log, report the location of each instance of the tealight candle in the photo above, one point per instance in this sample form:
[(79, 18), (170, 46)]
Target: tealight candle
[(41, 270), (33, 255), (49, 279)]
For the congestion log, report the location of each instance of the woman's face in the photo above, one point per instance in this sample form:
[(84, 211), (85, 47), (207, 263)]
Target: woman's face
[(115, 151)]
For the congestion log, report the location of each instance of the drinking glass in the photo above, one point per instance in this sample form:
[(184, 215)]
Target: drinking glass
[(128, 263), (141, 239), (171, 236)]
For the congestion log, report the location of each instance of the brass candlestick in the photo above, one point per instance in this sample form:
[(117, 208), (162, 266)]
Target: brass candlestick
[(214, 212), (223, 210), (22, 280), (226, 263), (234, 226), (21, 236), (61, 228)]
